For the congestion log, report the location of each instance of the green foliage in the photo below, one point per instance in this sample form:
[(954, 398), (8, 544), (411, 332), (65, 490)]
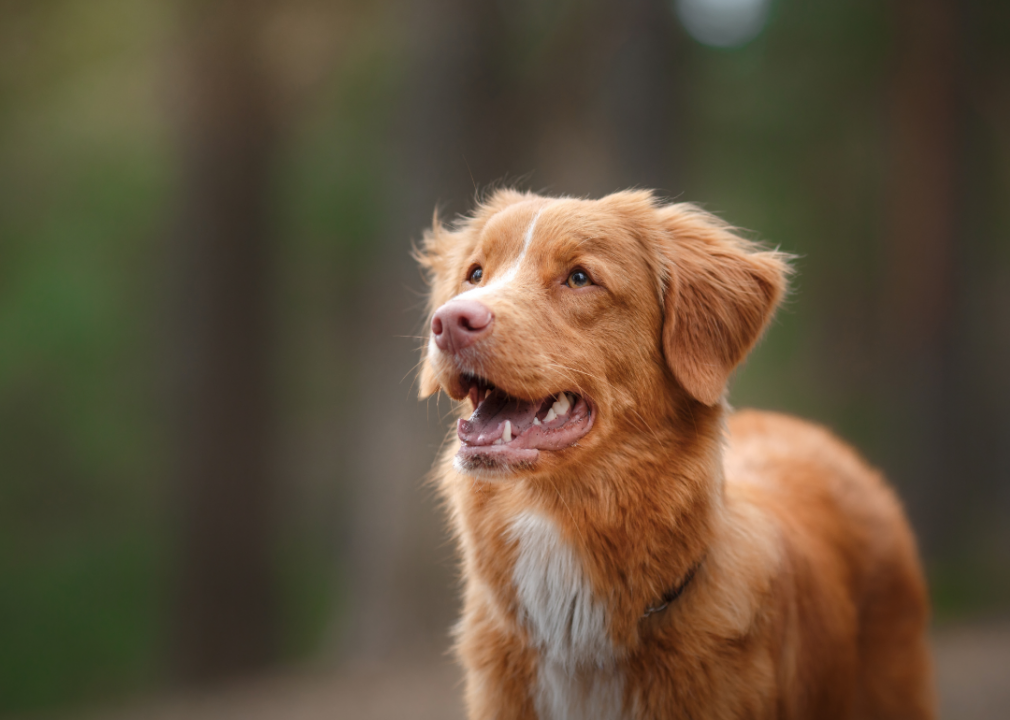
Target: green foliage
[(82, 616), (83, 181), (80, 446)]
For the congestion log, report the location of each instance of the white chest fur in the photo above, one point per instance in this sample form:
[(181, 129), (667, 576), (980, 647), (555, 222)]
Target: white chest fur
[(577, 673)]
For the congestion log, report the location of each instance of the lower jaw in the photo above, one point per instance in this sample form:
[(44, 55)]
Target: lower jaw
[(494, 459)]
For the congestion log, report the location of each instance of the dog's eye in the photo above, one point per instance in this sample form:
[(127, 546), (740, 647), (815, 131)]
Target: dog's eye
[(476, 274), (578, 279)]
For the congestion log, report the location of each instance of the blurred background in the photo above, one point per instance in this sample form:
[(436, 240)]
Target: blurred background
[(212, 458)]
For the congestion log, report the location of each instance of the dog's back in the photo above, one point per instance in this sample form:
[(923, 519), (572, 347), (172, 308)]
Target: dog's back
[(850, 574)]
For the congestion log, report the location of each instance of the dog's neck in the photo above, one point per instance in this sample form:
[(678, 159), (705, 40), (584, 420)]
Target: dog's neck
[(648, 502)]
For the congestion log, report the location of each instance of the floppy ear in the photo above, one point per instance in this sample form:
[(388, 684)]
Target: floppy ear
[(721, 292), (441, 254)]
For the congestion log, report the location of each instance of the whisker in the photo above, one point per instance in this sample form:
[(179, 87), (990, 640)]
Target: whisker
[(646, 429), (418, 364), (575, 370)]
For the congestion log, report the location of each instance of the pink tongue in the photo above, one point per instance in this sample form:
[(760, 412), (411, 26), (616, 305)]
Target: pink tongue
[(494, 411)]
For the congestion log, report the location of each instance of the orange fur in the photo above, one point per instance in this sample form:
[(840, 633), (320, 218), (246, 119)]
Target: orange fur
[(808, 601)]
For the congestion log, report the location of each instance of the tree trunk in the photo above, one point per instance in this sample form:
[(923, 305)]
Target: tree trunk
[(645, 94), (226, 620), (920, 280)]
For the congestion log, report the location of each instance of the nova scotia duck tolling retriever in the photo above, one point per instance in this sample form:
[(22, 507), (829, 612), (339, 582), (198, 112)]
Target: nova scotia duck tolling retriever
[(630, 547)]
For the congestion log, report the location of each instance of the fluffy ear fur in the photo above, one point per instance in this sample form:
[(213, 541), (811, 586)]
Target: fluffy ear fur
[(721, 292), (441, 253), (427, 383), (435, 256)]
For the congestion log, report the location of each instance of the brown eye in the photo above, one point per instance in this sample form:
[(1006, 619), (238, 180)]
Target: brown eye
[(475, 275), (578, 279)]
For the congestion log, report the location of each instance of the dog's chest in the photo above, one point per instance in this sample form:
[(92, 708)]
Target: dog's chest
[(577, 674)]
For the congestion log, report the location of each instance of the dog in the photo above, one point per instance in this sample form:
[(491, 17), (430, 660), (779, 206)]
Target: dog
[(630, 548)]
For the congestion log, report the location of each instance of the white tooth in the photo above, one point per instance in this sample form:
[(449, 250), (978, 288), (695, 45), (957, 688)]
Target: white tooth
[(497, 442), (486, 393), (561, 405), (550, 415), (506, 435), (536, 420)]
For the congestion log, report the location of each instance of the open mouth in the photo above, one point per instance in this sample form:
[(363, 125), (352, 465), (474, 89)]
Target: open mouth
[(506, 432)]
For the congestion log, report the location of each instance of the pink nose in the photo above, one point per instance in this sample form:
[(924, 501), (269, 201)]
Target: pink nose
[(459, 324)]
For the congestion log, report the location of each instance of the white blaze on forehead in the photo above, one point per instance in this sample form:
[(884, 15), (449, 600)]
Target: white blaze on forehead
[(510, 273)]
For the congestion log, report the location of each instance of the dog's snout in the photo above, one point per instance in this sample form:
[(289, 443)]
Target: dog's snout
[(459, 324)]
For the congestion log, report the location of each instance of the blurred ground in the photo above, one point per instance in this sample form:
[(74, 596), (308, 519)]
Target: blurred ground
[(973, 673), (418, 688)]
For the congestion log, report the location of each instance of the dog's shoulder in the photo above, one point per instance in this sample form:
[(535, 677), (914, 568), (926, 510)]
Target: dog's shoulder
[(780, 451), (834, 506)]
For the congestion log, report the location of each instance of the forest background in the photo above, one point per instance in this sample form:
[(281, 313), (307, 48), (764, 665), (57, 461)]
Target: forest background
[(211, 452)]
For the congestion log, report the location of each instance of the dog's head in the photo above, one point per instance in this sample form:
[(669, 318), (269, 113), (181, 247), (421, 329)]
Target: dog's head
[(564, 320)]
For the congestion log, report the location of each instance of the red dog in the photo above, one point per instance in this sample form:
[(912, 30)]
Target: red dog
[(629, 549)]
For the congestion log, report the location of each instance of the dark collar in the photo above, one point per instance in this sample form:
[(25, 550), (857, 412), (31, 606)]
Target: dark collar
[(675, 592)]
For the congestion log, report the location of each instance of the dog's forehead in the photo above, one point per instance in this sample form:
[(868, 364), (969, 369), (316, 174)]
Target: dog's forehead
[(512, 221), (521, 242), (509, 231), (543, 226)]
